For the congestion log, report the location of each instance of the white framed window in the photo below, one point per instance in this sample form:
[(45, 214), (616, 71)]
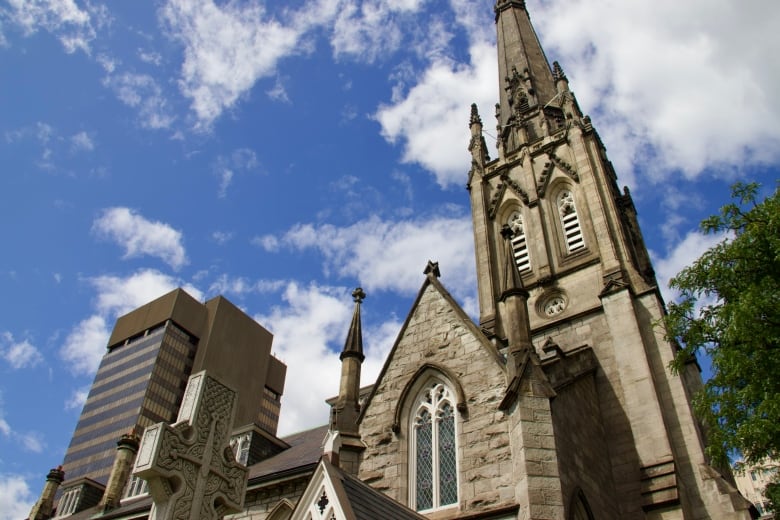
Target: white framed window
[(572, 231), (68, 502), (433, 451), (136, 486)]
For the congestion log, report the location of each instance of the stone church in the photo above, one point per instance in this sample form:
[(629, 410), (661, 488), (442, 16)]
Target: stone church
[(558, 404)]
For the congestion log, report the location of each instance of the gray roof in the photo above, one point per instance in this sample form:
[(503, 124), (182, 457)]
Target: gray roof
[(303, 454), (366, 502)]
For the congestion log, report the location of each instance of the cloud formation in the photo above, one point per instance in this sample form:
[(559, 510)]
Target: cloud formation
[(227, 48), (668, 91), (16, 498), (141, 237), (309, 330), (390, 255), (18, 354), (72, 25)]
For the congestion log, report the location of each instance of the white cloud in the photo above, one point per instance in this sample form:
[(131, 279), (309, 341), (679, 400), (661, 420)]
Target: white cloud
[(387, 255), (309, 332), (139, 236), (225, 168), (431, 119), (82, 142), (77, 399), (268, 242), (143, 93), (222, 237), (227, 47), (18, 354), (151, 57), (119, 295), (16, 499), (239, 286), (63, 18), (85, 345), (669, 92), (683, 254)]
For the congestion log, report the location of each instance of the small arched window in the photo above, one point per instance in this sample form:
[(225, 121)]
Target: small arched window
[(570, 221), (434, 460), (519, 243)]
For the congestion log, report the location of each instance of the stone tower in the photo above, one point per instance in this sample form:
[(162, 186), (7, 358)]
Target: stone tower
[(577, 247)]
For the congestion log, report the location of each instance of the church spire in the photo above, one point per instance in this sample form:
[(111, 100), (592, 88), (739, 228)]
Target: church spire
[(527, 83), (347, 407), (343, 445)]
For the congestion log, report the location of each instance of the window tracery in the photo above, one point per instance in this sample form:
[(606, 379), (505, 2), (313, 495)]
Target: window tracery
[(434, 481)]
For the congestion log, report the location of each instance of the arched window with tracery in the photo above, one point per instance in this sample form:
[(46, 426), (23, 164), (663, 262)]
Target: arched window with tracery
[(519, 243), (572, 231), (434, 460)]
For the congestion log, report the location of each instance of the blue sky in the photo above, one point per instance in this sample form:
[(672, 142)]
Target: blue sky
[(282, 153)]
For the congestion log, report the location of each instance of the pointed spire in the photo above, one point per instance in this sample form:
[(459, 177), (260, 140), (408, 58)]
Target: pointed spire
[(353, 346), (524, 72), (477, 145)]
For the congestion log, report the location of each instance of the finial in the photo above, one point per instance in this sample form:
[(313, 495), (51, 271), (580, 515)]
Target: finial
[(353, 346), (475, 119), (358, 295), (558, 73), (432, 268)]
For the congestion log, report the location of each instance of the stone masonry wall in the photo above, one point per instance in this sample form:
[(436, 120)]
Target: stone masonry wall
[(436, 334), (581, 444)]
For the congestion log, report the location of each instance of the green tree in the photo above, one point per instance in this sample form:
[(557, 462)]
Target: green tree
[(729, 308)]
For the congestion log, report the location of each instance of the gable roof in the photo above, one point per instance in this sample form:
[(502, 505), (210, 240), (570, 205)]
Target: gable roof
[(431, 279), (354, 498)]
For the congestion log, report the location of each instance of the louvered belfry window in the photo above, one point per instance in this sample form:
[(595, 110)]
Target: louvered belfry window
[(519, 242), (570, 221), (434, 455)]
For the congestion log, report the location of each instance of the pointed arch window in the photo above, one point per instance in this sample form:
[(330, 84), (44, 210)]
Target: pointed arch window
[(519, 242), (570, 221), (434, 464)]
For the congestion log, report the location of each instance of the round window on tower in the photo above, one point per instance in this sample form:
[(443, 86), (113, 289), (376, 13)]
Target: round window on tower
[(552, 304)]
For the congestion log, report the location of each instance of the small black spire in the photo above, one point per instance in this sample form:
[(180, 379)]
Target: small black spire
[(353, 346)]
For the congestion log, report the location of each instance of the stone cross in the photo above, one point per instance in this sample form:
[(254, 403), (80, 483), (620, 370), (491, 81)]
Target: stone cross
[(191, 471)]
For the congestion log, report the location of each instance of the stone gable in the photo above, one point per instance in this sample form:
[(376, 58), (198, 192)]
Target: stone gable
[(438, 334)]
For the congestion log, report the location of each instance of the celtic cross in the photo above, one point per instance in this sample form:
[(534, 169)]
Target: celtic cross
[(191, 471)]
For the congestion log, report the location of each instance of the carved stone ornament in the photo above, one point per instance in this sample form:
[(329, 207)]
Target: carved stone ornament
[(191, 471)]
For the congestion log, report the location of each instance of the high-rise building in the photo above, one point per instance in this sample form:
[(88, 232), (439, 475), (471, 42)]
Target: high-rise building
[(150, 355)]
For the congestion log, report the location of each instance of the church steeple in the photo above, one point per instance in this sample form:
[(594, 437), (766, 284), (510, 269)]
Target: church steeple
[(526, 81)]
